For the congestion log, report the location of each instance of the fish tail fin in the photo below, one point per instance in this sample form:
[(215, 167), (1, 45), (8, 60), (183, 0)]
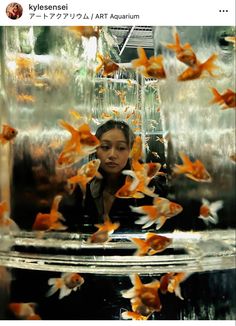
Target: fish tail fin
[(217, 97), (142, 59), (56, 202), (209, 65), (142, 246), (54, 286), (66, 125)]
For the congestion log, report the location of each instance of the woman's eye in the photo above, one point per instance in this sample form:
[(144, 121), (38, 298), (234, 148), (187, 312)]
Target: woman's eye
[(104, 147)]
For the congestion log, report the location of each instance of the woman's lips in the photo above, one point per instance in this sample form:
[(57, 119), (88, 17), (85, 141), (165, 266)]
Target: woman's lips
[(111, 164)]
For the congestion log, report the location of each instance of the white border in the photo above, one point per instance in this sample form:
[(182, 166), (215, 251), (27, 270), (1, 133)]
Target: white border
[(150, 12)]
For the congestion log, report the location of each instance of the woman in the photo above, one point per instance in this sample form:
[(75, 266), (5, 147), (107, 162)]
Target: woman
[(116, 139)]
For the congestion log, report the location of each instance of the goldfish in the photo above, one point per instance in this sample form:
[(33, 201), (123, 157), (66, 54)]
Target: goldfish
[(233, 157), (136, 150), (67, 283), (193, 170), (82, 143), (137, 180), (24, 310), (227, 99), (231, 39), (85, 31), (107, 66), (25, 98), (184, 53), (133, 315), (122, 96), (50, 221), (6, 223), (153, 244), (85, 174), (161, 210), (104, 231), (196, 71), (145, 298), (170, 282), (208, 211), (25, 68), (8, 134), (152, 67)]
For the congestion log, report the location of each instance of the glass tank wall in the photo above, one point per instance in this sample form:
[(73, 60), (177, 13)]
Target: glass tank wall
[(49, 75)]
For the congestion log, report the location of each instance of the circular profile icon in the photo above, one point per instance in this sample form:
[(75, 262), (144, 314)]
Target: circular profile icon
[(14, 10)]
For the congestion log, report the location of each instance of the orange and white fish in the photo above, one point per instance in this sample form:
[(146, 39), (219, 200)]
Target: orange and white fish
[(231, 39), (170, 282), (107, 66), (197, 70), (104, 231), (67, 283), (24, 310), (147, 294), (153, 244), (137, 180), (184, 53), (133, 315), (152, 67), (81, 144), (6, 223), (193, 170), (161, 210), (85, 31), (226, 99), (52, 220), (85, 174), (8, 134), (208, 211), (136, 150)]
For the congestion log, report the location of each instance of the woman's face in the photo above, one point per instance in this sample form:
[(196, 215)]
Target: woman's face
[(113, 151)]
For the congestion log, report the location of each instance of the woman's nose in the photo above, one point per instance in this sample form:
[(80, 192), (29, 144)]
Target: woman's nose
[(113, 152)]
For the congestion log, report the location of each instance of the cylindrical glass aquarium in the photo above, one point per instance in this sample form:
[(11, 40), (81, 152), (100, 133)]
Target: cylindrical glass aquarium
[(51, 85)]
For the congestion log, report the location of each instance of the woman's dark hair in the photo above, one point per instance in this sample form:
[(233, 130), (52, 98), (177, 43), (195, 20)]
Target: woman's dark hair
[(117, 124)]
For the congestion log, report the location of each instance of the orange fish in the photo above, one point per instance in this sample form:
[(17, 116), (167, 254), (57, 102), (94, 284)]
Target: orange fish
[(152, 67), (25, 98), (208, 211), (153, 244), (133, 315), (196, 71), (85, 174), (6, 223), (67, 283), (226, 99), (8, 134), (161, 210), (137, 180), (136, 151), (81, 144), (107, 66), (24, 310), (51, 221), (170, 282), (233, 157), (147, 294), (184, 53), (86, 31), (193, 170), (104, 231)]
